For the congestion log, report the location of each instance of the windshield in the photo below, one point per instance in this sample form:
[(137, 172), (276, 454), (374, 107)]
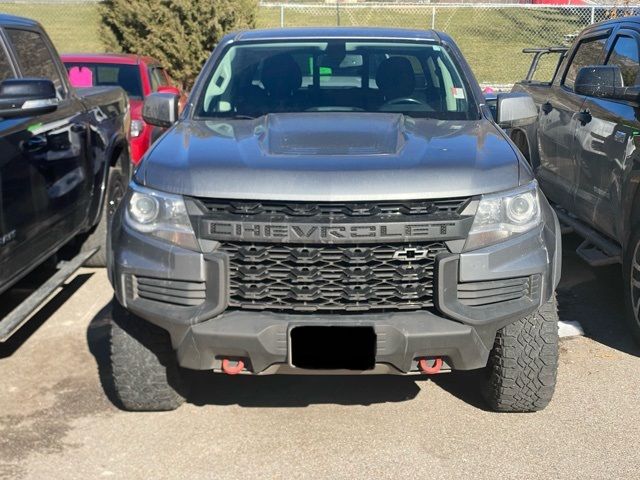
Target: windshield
[(416, 79), (83, 75)]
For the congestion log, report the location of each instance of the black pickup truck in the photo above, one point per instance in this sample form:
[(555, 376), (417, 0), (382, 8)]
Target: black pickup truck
[(63, 164), (584, 146)]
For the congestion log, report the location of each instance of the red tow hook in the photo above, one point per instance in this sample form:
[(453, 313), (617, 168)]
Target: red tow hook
[(430, 369), (230, 369)]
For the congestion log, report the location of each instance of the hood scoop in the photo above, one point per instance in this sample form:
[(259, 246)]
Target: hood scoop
[(329, 134)]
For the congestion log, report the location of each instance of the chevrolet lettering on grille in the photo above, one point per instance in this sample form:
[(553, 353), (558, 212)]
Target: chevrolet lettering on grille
[(273, 232)]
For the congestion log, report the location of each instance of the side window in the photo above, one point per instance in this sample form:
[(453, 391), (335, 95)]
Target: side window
[(589, 52), (153, 79), (6, 70), (157, 78), (625, 55), (163, 78), (34, 57)]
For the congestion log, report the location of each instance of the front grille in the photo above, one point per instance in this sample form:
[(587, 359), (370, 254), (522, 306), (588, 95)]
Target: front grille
[(172, 292), (478, 294), (334, 211), (311, 278)]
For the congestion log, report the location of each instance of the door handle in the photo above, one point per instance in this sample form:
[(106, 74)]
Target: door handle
[(584, 117), (546, 107)]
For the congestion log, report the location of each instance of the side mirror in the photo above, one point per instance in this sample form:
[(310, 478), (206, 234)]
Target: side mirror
[(515, 110), (160, 109), (598, 81), (604, 81), (23, 97)]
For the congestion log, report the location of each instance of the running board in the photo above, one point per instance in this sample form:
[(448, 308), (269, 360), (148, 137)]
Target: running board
[(19, 315), (596, 250), (595, 257)]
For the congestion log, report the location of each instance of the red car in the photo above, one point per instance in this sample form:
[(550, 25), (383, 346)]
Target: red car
[(138, 76)]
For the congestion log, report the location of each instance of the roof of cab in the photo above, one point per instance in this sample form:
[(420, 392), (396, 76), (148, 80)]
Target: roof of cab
[(336, 32), (634, 20), (14, 21), (613, 21)]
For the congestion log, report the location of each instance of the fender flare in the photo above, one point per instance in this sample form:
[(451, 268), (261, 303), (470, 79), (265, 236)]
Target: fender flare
[(525, 139), (117, 144), (630, 218), (520, 139)]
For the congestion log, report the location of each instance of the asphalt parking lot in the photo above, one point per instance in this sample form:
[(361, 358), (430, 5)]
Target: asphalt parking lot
[(57, 418)]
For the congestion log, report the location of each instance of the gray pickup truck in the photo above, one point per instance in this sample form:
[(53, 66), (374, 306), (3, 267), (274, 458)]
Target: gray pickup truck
[(584, 145), (335, 201)]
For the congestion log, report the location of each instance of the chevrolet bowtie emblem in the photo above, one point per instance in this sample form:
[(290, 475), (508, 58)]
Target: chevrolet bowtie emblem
[(411, 254)]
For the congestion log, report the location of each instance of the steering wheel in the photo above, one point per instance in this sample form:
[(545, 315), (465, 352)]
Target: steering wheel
[(404, 100)]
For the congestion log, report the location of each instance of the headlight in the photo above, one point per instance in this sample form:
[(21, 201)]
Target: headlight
[(137, 127), (503, 215), (160, 215)]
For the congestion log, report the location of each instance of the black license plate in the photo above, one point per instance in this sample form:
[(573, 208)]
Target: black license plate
[(333, 348)]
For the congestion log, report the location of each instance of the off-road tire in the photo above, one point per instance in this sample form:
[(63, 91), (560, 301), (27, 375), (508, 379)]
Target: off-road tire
[(145, 373), (97, 237), (631, 278), (523, 365)]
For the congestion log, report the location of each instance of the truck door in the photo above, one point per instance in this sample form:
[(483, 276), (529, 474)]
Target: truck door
[(43, 162), (558, 119), (8, 232), (606, 141)]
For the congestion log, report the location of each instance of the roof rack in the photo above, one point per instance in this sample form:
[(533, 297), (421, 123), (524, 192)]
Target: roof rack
[(545, 50)]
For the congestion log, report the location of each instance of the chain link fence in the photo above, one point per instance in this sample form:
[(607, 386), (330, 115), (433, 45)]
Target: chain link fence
[(491, 36), (71, 24)]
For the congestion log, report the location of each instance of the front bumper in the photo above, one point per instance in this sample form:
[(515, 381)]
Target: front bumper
[(263, 339), (456, 330)]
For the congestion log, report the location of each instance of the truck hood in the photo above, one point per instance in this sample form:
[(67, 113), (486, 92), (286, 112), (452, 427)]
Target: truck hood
[(331, 157)]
